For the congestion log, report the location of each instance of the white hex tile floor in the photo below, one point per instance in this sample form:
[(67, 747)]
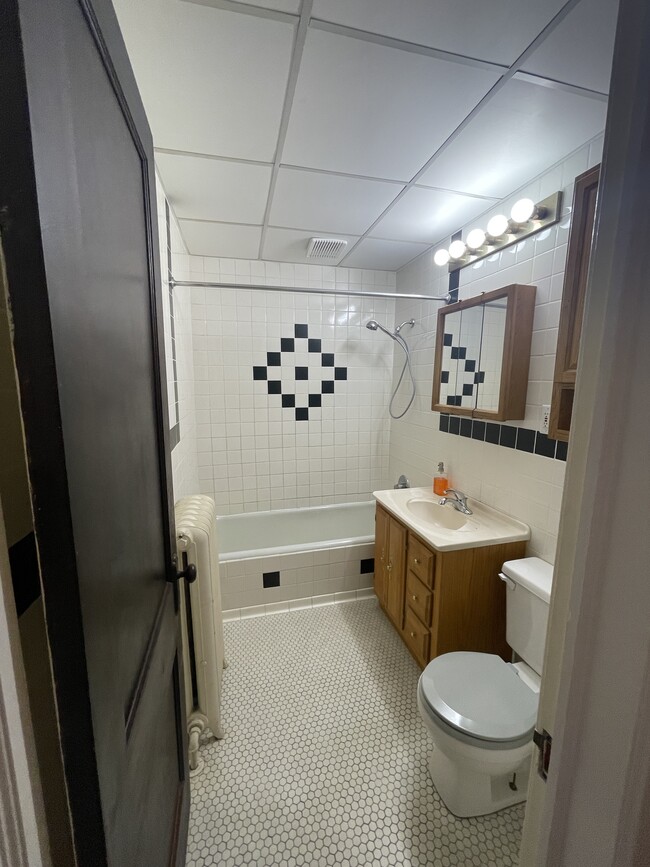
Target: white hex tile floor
[(325, 756)]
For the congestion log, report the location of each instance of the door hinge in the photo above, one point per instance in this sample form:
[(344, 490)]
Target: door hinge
[(543, 741)]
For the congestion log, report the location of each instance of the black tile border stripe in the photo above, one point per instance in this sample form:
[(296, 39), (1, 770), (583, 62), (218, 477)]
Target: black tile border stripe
[(522, 439)]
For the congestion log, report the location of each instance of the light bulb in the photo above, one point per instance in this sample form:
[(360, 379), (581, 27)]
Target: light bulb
[(441, 256), (476, 239), (523, 210), (457, 249), (498, 226)]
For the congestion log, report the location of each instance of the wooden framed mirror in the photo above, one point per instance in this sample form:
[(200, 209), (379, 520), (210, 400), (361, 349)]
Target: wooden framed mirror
[(482, 354)]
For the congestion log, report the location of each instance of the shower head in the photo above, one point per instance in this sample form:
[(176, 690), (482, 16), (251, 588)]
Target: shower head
[(372, 324)]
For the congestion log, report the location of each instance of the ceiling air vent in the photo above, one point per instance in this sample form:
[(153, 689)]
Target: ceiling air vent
[(325, 248)]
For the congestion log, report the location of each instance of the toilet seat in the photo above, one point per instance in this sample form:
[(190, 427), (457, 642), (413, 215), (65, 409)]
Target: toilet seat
[(479, 697)]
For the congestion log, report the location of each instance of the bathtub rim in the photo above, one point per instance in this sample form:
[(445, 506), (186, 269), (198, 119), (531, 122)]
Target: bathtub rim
[(301, 548)]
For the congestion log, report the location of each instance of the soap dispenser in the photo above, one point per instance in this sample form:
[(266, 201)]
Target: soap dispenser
[(440, 480)]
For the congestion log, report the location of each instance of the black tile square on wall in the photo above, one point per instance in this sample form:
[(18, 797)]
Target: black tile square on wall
[(492, 433), (544, 446), (508, 436), (454, 424), (302, 414), (288, 400), (302, 373), (274, 359), (300, 331), (561, 450), (448, 339), (340, 373), (270, 579), (478, 430), (315, 400), (314, 345), (287, 344), (327, 359), (525, 440), (259, 373), (466, 427), (327, 387), (444, 376), (444, 422), (274, 386), (367, 566)]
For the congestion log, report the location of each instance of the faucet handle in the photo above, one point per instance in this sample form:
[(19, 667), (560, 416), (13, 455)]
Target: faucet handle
[(402, 482)]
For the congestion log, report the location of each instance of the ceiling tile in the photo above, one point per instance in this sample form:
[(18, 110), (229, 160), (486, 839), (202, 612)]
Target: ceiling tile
[(211, 81), (579, 51), (383, 255), (489, 31), (522, 131), (221, 239), (365, 109), (287, 245), (329, 203), (428, 215), (207, 189)]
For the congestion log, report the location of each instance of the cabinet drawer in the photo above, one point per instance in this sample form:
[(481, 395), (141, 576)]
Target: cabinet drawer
[(421, 560), (416, 637), (418, 598)]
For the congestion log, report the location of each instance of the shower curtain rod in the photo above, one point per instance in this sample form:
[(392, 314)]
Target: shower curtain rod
[(305, 290)]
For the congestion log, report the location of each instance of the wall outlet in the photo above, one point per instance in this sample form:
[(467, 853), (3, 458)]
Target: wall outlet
[(543, 425)]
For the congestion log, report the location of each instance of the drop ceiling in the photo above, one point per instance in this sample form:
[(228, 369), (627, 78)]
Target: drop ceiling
[(388, 123)]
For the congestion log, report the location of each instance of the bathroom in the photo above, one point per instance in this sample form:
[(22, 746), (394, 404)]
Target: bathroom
[(366, 289)]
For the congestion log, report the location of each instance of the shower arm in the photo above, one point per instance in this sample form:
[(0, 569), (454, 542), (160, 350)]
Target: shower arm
[(203, 284)]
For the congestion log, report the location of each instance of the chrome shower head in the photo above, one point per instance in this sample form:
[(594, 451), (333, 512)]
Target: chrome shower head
[(372, 324)]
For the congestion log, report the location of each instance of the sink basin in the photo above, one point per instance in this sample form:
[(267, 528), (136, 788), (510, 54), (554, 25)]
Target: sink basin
[(444, 527), (446, 517)]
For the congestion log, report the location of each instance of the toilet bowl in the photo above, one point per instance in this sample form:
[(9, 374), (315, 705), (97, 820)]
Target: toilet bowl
[(480, 711)]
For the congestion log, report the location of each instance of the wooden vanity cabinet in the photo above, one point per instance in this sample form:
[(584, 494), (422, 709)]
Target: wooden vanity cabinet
[(390, 556), (441, 601)]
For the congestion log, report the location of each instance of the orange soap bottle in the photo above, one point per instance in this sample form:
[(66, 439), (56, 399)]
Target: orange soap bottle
[(440, 481)]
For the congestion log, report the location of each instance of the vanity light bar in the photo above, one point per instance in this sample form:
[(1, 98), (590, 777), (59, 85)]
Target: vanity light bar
[(526, 219)]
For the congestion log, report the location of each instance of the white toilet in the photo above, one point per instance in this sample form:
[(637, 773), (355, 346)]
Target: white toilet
[(481, 711)]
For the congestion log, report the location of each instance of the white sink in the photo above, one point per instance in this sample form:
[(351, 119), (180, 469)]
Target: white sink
[(447, 529)]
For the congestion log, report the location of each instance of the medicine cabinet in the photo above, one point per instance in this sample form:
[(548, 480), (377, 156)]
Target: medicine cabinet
[(483, 354)]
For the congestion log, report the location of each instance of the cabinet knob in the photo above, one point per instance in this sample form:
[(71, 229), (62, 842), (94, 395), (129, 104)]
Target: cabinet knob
[(412, 634), (414, 597), (416, 561), (389, 567)]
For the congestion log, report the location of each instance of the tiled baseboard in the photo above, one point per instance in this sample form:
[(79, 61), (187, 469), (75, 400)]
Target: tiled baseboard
[(298, 604)]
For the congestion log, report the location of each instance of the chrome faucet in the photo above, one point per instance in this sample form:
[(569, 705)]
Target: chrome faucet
[(458, 501), (402, 482)]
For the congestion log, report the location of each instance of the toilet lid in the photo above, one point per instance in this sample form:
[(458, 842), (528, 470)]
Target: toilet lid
[(479, 694)]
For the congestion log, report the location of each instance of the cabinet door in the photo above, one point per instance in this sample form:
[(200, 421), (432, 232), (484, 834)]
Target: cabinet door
[(381, 553), (396, 572)]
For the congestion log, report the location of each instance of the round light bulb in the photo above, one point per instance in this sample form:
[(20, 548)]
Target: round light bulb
[(457, 249), (498, 226), (476, 239), (523, 210), (441, 256)]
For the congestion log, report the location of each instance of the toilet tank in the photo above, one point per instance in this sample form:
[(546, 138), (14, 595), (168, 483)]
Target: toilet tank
[(527, 603)]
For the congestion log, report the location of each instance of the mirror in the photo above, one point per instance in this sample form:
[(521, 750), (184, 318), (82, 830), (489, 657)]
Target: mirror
[(483, 354)]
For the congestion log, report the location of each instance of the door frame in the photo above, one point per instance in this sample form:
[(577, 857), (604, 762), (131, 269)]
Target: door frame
[(21, 224), (595, 698)]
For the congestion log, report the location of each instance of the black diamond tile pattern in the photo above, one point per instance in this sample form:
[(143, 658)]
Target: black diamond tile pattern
[(324, 759), (301, 372)]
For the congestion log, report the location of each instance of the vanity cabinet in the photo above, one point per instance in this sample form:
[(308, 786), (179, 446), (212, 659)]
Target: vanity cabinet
[(441, 601)]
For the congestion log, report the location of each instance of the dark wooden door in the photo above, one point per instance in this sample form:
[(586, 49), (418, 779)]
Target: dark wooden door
[(77, 219)]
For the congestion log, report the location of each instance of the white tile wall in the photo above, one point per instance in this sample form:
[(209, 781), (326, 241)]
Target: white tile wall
[(252, 453), (184, 456), (527, 486)]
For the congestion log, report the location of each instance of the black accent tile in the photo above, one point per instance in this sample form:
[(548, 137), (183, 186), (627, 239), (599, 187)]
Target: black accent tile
[(466, 427), (327, 387), (444, 376), (478, 430), (288, 400), (340, 373), (302, 373), (454, 424), (456, 400), (327, 359), (302, 413), (468, 390), (508, 436), (454, 352), (313, 344), (544, 446), (259, 373), (300, 331), (492, 433), (274, 386), (525, 440), (448, 339), (444, 422), (479, 377), (273, 359), (287, 344), (561, 450), (367, 566), (315, 400), (270, 579), (462, 351), (470, 366)]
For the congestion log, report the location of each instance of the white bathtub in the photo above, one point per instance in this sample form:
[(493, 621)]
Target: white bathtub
[(312, 552)]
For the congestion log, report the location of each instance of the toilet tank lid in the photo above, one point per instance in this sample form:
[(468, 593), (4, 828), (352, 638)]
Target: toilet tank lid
[(532, 573)]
